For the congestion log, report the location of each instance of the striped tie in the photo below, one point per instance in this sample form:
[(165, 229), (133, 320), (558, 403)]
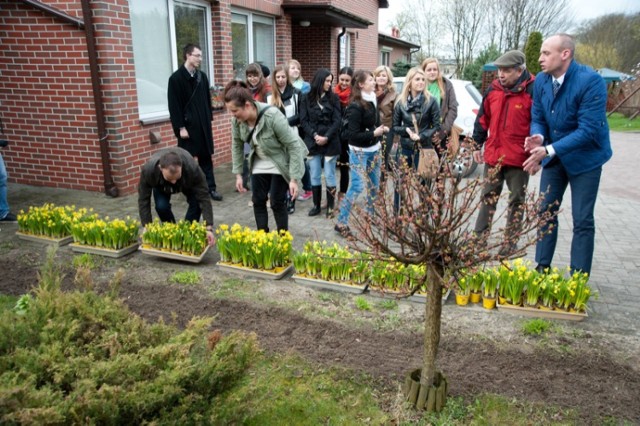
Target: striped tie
[(556, 87)]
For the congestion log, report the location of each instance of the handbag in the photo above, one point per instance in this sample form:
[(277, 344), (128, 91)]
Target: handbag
[(453, 144), (428, 162)]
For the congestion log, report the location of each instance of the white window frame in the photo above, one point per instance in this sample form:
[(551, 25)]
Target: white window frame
[(160, 116), (250, 19), (345, 50)]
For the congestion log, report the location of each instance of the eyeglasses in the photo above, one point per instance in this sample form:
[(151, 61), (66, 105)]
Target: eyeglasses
[(199, 55)]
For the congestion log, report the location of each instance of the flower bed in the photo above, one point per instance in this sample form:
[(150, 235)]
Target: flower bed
[(520, 286), (181, 241), (52, 223), (242, 247), (118, 236)]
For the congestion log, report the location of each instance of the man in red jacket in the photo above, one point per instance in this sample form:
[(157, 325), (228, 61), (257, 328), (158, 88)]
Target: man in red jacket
[(501, 126)]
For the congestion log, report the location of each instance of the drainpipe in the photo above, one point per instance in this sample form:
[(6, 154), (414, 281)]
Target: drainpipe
[(109, 186), (344, 31)]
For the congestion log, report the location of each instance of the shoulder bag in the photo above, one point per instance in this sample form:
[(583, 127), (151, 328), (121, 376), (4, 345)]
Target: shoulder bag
[(428, 162)]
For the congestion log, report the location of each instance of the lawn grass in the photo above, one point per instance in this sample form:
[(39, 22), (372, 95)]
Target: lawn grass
[(620, 123)]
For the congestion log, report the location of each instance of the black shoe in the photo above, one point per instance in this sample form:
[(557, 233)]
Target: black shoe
[(291, 206), (315, 211), (9, 218), (543, 269), (215, 196), (343, 230)]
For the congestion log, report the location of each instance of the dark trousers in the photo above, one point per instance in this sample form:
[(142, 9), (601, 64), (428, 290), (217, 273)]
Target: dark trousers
[(584, 191), (407, 156), (306, 178), (517, 180), (205, 163), (276, 188), (163, 206)]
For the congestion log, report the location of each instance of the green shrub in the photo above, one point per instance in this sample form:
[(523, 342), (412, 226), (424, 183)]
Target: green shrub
[(84, 260), (362, 303), (76, 356)]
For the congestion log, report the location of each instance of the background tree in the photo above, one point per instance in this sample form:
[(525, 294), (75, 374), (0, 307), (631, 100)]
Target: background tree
[(400, 68), (417, 24), (473, 71), (434, 228), (464, 19), (532, 52), (617, 32)]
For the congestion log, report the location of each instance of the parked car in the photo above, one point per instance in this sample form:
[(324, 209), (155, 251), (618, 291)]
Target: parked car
[(469, 99)]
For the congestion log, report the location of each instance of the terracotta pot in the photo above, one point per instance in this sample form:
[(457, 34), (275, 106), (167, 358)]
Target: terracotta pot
[(475, 297), (462, 299), (488, 303)]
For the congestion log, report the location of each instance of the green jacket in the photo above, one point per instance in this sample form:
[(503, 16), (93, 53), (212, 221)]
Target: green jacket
[(279, 142)]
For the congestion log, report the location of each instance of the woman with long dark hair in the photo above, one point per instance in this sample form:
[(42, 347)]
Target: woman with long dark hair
[(320, 119), (364, 133), (343, 90), (275, 157)]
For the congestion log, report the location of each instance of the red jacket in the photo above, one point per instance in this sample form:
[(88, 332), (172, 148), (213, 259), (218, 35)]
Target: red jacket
[(505, 115)]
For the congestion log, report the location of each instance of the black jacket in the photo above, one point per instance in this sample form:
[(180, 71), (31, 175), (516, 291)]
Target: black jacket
[(428, 116), (323, 121), (192, 181), (361, 124), (192, 113)]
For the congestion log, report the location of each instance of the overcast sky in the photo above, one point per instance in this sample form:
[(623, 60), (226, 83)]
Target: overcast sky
[(584, 9)]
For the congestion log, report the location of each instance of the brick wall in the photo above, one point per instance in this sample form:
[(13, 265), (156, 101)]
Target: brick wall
[(46, 97)]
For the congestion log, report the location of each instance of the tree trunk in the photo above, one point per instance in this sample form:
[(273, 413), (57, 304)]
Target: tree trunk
[(432, 317)]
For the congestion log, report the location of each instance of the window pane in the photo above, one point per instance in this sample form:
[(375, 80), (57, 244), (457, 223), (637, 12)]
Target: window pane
[(263, 41), (240, 45), (190, 21), (151, 52)]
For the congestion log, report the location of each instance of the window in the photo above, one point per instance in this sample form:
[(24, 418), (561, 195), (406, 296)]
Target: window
[(253, 40), (385, 57), (345, 50), (160, 29)]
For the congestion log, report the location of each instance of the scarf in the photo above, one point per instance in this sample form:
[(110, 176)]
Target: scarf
[(370, 97), (415, 104), (343, 94), (434, 89)]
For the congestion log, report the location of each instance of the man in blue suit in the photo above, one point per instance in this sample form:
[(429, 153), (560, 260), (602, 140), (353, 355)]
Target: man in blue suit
[(570, 139)]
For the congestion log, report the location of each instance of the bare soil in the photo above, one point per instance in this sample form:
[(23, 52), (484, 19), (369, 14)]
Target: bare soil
[(594, 371)]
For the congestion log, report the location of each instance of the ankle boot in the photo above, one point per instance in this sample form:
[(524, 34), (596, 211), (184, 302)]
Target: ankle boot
[(331, 194), (317, 199)]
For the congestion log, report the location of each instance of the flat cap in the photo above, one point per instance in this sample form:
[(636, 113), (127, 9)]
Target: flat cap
[(512, 58)]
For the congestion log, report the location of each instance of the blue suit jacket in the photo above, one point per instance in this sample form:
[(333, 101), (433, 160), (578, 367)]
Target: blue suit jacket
[(575, 121)]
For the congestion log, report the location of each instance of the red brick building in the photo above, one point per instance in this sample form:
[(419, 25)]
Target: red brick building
[(83, 83)]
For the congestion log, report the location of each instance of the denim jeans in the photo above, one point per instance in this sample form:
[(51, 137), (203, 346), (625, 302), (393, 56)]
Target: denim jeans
[(163, 206), (584, 191), (315, 168), (276, 188), (4, 204), (365, 170)]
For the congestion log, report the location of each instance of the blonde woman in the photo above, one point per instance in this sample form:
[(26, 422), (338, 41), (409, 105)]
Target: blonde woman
[(415, 103), (441, 89), (386, 98)]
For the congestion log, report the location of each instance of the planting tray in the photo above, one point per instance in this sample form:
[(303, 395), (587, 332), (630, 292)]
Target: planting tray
[(42, 239), (174, 256), (418, 298), (101, 251), (275, 274), (539, 313), (329, 285)]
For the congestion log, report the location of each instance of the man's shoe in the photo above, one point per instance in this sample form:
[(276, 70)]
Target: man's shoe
[(543, 269), (10, 217), (305, 195), (215, 196)]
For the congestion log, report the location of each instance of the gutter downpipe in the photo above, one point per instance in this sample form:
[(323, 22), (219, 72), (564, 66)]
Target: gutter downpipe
[(344, 31), (110, 188)]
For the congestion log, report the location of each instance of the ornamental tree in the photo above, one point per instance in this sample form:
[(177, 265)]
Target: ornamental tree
[(433, 226)]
